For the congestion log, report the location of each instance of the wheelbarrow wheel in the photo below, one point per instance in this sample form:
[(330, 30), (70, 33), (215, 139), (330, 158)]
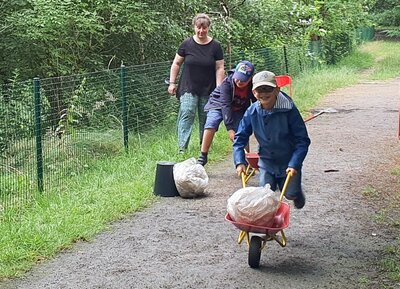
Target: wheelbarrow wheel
[(255, 251)]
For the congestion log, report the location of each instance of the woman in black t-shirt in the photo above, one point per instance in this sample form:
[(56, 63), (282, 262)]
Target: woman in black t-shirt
[(203, 70)]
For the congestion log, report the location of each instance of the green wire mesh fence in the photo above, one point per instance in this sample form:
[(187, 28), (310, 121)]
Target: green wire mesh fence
[(280, 60), (54, 128), (17, 143)]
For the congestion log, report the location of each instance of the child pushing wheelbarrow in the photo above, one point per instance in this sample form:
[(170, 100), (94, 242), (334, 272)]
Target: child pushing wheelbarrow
[(283, 144), (257, 227)]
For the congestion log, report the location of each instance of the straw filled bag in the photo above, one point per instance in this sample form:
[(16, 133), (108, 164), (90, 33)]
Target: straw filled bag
[(254, 205)]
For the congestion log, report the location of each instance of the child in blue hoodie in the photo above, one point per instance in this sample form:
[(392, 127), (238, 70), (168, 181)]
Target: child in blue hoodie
[(281, 134), (227, 103)]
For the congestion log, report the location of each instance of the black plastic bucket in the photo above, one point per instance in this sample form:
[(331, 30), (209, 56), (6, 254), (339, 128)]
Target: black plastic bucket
[(164, 184)]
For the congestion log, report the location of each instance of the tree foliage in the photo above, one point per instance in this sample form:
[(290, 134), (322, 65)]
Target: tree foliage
[(386, 14), (59, 37), (49, 38)]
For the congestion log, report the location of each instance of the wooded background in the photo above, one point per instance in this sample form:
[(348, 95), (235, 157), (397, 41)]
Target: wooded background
[(47, 38)]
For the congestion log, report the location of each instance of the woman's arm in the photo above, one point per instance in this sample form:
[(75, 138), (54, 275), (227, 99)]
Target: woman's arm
[(176, 64), (219, 71)]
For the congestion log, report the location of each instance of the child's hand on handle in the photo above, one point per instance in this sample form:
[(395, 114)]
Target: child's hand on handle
[(292, 170), (240, 169)]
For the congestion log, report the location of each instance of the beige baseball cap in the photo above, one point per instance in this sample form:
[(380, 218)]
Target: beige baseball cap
[(264, 78)]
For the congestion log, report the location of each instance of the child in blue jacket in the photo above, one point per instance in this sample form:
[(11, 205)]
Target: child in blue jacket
[(281, 134), (227, 103)]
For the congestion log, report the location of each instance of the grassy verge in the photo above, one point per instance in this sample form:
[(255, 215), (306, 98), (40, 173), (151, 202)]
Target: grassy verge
[(117, 186), (385, 194)]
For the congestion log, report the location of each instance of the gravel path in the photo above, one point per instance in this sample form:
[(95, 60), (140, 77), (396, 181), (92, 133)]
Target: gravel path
[(332, 242)]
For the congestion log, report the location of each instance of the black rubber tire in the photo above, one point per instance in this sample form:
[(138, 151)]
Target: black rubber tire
[(255, 251)]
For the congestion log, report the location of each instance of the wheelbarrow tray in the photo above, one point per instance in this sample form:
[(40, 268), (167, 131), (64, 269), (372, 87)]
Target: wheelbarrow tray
[(282, 213), (252, 159)]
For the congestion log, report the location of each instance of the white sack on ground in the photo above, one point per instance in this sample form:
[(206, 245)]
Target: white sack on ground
[(190, 178), (254, 205)]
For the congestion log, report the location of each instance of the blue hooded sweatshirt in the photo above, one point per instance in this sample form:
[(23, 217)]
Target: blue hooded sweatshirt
[(281, 134)]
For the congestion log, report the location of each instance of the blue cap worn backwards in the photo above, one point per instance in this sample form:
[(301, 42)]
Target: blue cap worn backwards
[(243, 71)]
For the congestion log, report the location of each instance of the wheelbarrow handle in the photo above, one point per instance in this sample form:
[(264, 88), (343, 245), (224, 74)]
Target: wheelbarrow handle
[(313, 116), (285, 185), (243, 175)]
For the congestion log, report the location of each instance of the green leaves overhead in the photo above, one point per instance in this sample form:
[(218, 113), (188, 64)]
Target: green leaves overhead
[(71, 36), (48, 38)]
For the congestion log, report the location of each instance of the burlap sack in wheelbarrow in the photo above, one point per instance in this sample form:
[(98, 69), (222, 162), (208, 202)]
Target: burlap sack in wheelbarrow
[(254, 205)]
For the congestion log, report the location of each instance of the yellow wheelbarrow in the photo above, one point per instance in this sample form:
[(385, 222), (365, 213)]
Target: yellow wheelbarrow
[(257, 236)]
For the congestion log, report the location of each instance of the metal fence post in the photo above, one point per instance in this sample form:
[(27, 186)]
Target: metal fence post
[(300, 63), (286, 59), (124, 106), (38, 133), (315, 48)]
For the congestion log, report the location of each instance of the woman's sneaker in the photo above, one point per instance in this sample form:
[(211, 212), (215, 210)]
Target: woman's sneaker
[(300, 201)]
